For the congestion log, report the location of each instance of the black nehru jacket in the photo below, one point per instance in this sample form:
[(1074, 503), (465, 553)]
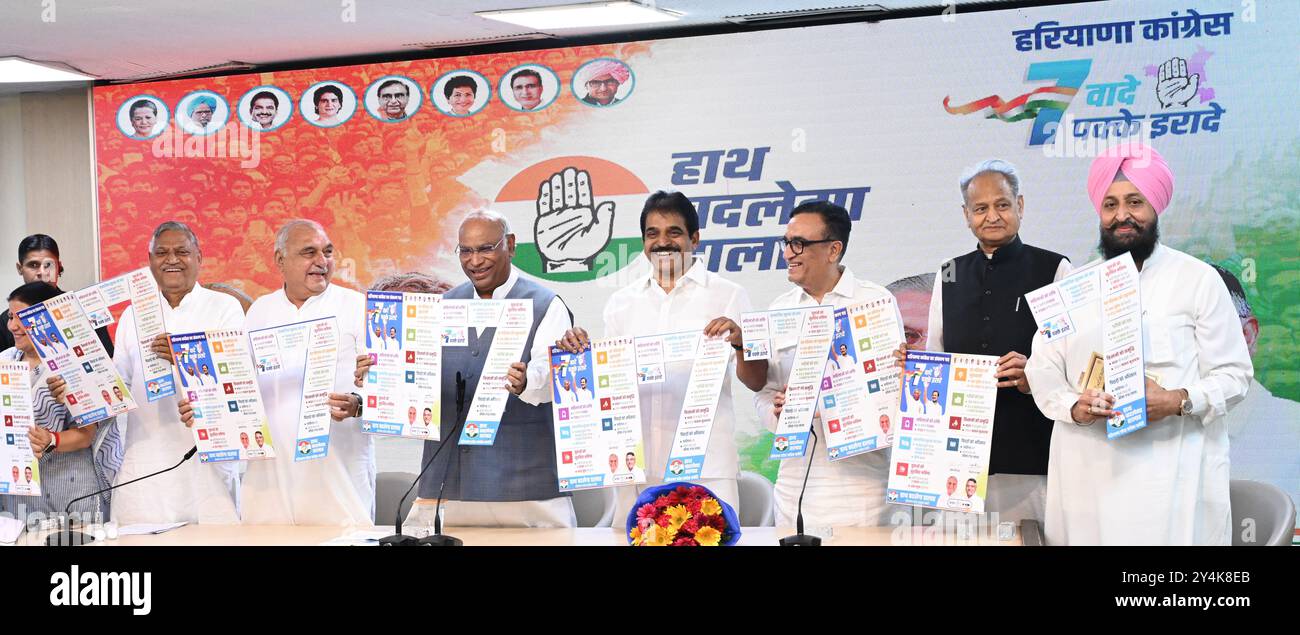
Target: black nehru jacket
[(984, 313)]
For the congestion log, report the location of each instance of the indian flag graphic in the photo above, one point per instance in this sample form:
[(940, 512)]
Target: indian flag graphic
[(1023, 107)]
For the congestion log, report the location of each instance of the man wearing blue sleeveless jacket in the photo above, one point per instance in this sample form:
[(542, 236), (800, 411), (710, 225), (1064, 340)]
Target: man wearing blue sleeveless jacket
[(513, 482)]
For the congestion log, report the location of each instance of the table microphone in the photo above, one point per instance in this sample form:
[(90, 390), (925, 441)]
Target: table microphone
[(398, 539), (66, 537), (801, 539), (438, 539)]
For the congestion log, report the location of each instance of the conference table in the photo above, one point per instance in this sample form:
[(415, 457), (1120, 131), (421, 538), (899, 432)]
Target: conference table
[(1027, 533)]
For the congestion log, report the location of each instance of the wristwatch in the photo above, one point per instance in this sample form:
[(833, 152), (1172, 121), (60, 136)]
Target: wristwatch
[(361, 403), (1185, 407)]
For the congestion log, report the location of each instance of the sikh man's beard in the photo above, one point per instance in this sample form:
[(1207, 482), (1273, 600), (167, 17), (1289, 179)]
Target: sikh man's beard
[(1140, 244)]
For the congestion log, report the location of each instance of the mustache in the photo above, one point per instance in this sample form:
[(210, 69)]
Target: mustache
[(1127, 223), (666, 250)]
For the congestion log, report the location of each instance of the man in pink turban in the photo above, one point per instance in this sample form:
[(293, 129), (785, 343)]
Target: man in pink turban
[(1167, 483), (603, 78), (1130, 186)]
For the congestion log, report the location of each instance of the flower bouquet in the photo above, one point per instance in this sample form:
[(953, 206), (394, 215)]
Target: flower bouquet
[(682, 515)]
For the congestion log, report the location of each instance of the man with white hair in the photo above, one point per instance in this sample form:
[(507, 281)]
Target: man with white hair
[(201, 111), (978, 308), (338, 489), (513, 482), (147, 439)]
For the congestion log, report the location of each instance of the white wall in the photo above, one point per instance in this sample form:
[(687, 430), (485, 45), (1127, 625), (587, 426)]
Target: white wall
[(47, 181), (13, 193)]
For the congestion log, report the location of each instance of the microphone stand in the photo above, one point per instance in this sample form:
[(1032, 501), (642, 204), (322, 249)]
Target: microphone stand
[(66, 537), (398, 539), (438, 539), (801, 539)]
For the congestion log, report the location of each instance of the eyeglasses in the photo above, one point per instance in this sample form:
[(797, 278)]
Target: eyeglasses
[(392, 96), (608, 83), (797, 245), (466, 252)]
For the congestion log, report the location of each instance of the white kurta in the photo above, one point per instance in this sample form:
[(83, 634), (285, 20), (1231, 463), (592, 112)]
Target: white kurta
[(156, 439), (847, 492), (340, 488), (550, 328), (643, 308), (1166, 484)]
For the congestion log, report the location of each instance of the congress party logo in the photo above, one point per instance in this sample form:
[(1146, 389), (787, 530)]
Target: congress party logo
[(582, 214)]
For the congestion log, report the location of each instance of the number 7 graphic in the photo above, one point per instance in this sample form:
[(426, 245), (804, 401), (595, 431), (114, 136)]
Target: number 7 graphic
[(1069, 74)]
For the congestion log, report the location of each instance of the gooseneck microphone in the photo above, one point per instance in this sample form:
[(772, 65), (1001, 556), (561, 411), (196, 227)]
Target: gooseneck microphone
[(66, 537), (801, 539), (438, 539), (398, 539)]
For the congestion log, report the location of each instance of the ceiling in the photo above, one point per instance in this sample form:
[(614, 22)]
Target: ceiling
[(136, 40)]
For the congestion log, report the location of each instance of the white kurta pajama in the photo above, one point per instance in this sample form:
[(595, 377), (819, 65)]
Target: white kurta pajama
[(1166, 484), (155, 439), (340, 488), (846, 492), (643, 308)]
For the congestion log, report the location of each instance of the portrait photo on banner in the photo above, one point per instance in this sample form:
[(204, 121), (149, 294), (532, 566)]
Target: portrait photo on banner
[(328, 104), (461, 93), (142, 117), (265, 108)]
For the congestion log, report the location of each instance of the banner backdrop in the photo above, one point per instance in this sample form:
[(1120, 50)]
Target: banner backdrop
[(881, 118)]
